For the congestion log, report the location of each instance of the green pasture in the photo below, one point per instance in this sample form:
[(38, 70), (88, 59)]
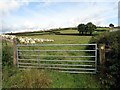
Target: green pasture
[(59, 79)]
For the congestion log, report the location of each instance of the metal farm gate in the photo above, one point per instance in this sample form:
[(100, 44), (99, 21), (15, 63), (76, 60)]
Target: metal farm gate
[(70, 58)]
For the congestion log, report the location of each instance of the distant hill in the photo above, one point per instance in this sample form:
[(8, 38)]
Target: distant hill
[(41, 31)]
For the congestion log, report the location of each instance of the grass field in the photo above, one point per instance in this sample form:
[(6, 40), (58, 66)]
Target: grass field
[(65, 36), (64, 80)]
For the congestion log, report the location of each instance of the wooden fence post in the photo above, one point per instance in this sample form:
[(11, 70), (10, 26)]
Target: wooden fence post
[(102, 54), (14, 52), (102, 58)]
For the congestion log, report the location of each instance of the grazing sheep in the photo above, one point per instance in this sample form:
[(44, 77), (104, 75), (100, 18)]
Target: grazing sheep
[(22, 40), (26, 40), (32, 41)]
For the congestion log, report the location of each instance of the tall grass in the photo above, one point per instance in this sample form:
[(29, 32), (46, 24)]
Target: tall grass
[(12, 77), (31, 78)]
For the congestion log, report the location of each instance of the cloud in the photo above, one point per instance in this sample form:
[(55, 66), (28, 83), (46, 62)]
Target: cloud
[(90, 14), (50, 16), (7, 6), (76, 0)]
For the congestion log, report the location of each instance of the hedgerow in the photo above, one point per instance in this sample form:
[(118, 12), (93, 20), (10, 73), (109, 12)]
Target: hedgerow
[(110, 78)]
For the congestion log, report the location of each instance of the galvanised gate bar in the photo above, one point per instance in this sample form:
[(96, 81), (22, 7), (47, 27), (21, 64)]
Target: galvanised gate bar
[(70, 58)]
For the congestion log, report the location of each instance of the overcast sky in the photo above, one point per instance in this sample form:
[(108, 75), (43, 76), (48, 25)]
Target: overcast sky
[(28, 15)]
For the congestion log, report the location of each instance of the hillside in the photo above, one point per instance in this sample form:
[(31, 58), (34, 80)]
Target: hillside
[(59, 80)]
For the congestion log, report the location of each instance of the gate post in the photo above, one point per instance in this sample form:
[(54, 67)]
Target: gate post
[(14, 52), (102, 58), (102, 54)]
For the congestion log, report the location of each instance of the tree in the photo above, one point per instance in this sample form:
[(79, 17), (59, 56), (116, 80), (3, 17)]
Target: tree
[(111, 25), (81, 28), (90, 27)]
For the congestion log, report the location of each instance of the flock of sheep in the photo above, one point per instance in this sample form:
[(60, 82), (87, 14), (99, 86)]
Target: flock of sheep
[(26, 40)]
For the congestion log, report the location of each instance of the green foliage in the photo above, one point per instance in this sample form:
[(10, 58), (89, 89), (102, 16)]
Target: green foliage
[(81, 28), (111, 25), (65, 80), (7, 53), (89, 27), (112, 74), (25, 79)]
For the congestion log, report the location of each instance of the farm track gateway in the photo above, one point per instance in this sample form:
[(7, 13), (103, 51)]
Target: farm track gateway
[(58, 57)]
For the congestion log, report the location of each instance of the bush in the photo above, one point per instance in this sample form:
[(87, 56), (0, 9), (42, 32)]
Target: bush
[(7, 53), (112, 75)]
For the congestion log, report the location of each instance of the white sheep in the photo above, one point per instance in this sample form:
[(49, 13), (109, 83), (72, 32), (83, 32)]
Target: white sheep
[(11, 37), (22, 40), (51, 40), (32, 41), (42, 40), (26, 40)]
